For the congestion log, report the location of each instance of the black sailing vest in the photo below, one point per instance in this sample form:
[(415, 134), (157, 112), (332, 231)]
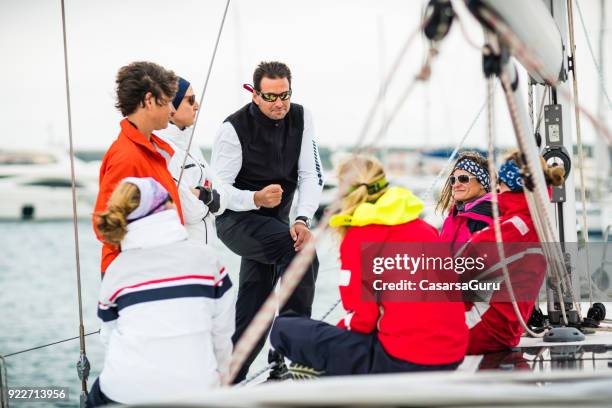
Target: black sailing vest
[(270, 153)]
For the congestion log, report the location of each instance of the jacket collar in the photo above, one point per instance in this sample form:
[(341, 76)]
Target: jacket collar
[(513, 203), (131, 132), (158, 229), (263, 119), (175, 137), (397, 206), (471, 204)]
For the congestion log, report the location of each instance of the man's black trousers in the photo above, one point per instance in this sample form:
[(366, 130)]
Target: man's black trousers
[(266, 248)]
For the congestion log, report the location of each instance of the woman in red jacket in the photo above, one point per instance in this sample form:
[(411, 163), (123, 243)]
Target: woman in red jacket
[(493, 324), (466, 199), (376, 335)]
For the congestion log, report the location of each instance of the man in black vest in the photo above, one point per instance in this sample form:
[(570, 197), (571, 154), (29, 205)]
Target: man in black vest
[(262, 154)]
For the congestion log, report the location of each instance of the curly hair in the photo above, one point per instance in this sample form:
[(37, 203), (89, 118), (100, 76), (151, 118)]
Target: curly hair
[(112, 223), (135, 80)]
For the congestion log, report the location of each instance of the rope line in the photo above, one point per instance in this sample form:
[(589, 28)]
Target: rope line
[(50, 344), (83, 354), (210, 66), (600, 75), (585, 226), (454, 153), (531, 63), (495, 203), (257, 374)]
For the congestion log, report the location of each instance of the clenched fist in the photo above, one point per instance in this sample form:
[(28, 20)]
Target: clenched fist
[(269, 196)]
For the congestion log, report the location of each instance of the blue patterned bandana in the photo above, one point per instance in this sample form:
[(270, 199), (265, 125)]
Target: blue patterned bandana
[(510, 175), (481, 174)]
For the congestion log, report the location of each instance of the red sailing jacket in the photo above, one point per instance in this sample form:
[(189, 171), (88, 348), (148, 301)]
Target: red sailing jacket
[(494, 325), (455, 228), (428, 333), (132, 155)]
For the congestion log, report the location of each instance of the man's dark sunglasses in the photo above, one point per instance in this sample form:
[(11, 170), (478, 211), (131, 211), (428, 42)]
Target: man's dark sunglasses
[(463, 179), (191, 99), (272, 97)]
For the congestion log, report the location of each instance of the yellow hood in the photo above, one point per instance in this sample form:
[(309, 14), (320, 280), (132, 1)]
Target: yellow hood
[(397, 206)]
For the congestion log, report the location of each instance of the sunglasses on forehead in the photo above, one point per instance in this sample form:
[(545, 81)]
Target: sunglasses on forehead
[(463, 179), (272, 97)]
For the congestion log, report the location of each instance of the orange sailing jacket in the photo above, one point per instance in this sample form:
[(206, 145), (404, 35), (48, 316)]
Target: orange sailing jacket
[(132, 155)]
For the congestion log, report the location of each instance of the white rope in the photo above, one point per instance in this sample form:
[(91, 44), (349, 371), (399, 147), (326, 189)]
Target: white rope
[(494, 204)]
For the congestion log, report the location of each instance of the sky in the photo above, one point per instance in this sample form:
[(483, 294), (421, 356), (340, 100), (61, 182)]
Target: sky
[(338, 51)]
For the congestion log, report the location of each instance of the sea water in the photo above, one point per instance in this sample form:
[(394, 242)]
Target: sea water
[(39, 302)]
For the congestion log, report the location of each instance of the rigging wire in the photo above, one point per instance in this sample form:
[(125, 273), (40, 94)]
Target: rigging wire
[(49, 344), (454, 153), (585, 226), (494, 199), (210, 67), (600, 75), (531, 62), (389, 78), (83, 364)]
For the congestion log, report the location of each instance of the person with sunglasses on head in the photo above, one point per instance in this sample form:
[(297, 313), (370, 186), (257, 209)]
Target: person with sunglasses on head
[(201, 200), (144, 97), (466, 198), (263, 154), (165, 304)]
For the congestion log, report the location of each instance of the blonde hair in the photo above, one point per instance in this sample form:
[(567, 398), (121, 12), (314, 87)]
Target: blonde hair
[(112, 223), (554, 175), (446, 195), (354, 174)]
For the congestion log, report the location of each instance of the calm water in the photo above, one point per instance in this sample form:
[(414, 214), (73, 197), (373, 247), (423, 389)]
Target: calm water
[(38, 302)]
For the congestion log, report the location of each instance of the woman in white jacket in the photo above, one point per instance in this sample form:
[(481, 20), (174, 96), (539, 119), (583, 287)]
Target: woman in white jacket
[(199, 209), (165, 303)]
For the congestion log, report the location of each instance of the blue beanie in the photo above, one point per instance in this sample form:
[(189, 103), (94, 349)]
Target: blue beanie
[(183, 85), (510, 175)]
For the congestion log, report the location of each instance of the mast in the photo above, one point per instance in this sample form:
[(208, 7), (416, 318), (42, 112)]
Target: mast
[(536, 34)]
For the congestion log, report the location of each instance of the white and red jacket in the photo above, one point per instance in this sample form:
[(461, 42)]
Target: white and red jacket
[(493, 324), (168, 316), (199, 220)]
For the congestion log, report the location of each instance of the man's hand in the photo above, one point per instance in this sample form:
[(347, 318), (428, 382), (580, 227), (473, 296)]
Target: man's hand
[(269, 196), (300, 234)]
